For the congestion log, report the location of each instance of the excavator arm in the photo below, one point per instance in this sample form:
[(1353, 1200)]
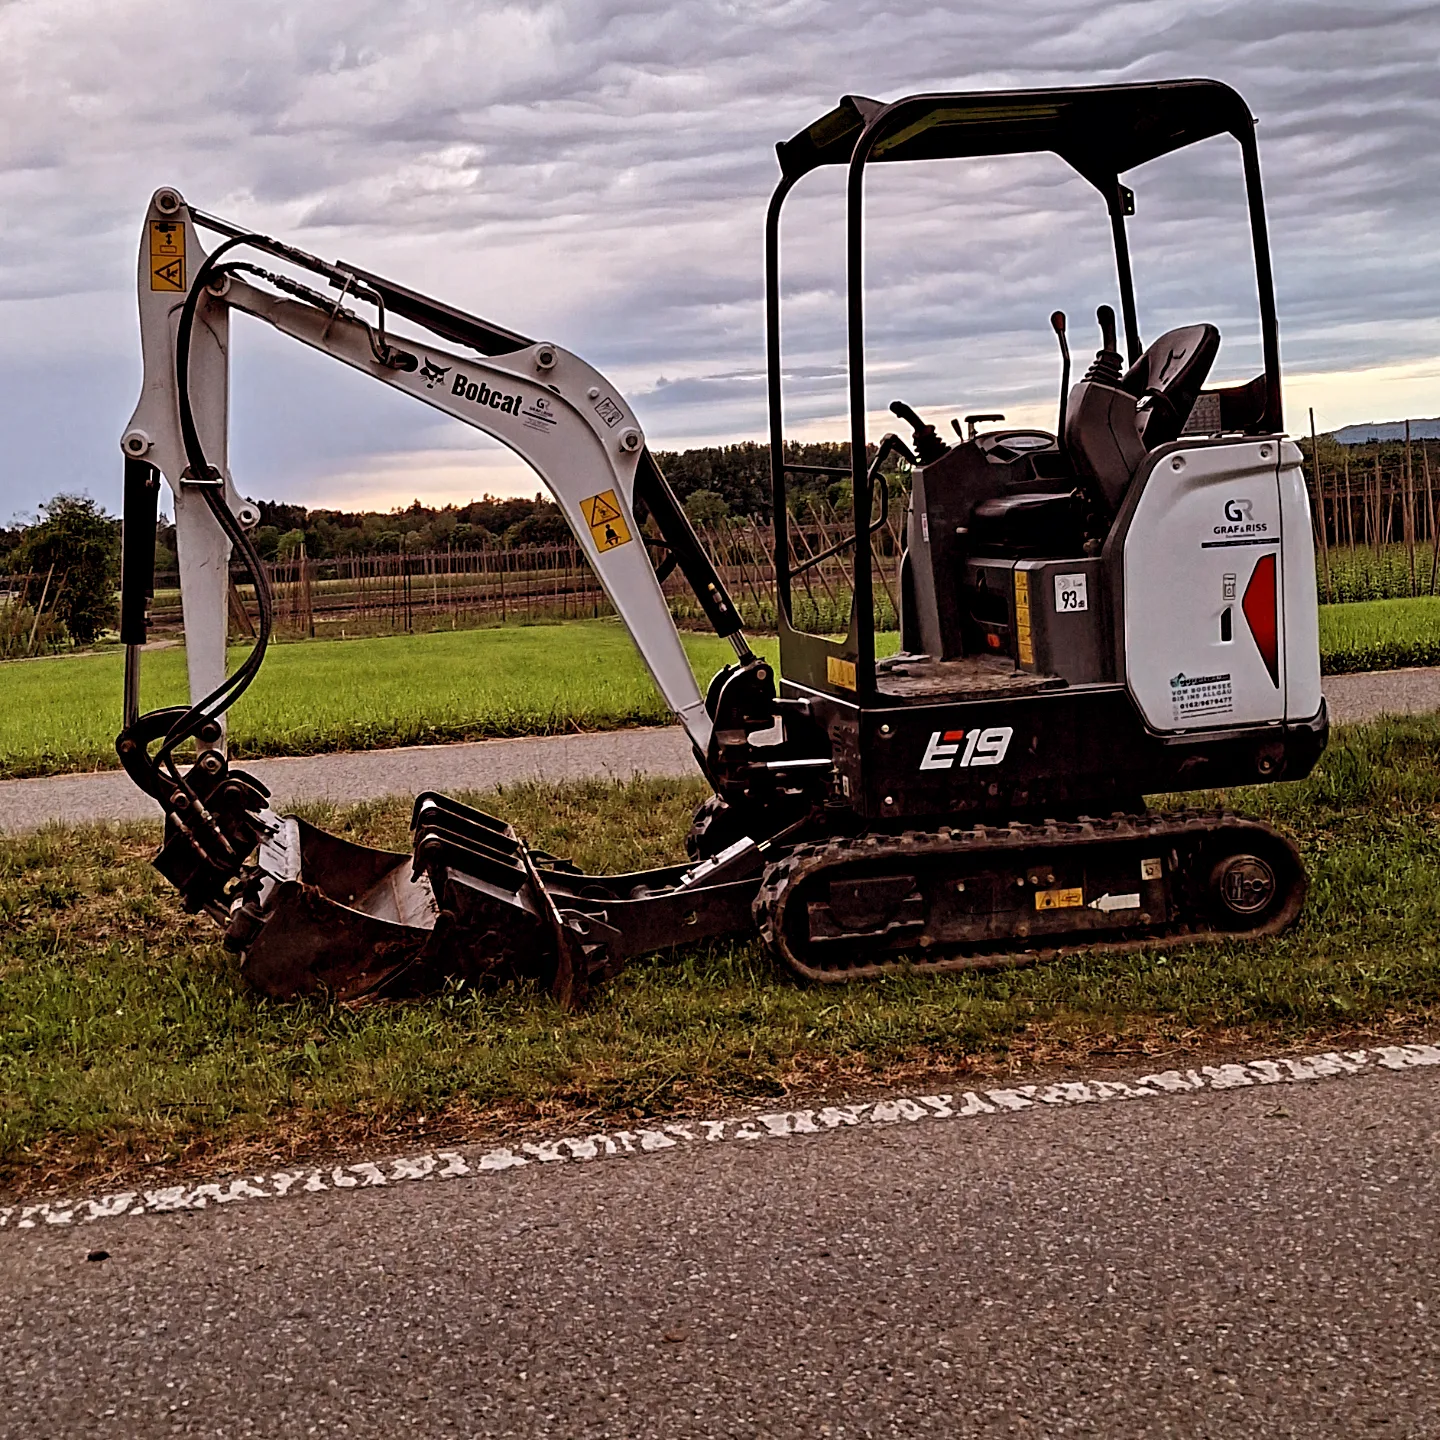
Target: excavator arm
[(557, 413), (560, 415)]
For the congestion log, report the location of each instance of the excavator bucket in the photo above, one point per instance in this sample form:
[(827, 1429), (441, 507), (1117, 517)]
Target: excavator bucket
[(472, 905), (325, 914)]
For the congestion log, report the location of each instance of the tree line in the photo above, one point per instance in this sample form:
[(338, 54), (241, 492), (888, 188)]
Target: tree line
[(712, 483), (63, 566)]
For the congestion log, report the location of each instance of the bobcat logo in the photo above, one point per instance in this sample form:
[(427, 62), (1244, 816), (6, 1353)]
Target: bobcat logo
[(432, 374)]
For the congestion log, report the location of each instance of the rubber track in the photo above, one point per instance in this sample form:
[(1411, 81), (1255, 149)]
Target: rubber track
[(783, 877)]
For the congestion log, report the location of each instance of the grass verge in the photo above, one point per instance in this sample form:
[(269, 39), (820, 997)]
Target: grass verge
[(128, 1041), (1380, 634), (61, 714)]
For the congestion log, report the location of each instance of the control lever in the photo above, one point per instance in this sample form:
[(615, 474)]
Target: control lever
[(1057, 324), (1106, 316), (972, 421), (1107, 363), (928, 444)]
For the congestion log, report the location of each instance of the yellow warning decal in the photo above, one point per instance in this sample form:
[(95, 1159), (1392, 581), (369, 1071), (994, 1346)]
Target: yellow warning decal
[(167, 255), (1024, 643), (1059, 899), (607, 525), (1152, 870), (840, 672)]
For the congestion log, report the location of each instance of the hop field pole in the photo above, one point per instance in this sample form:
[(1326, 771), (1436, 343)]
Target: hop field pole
[(1408, 490), (1430, 510), (1349, 509), (1320, 507)]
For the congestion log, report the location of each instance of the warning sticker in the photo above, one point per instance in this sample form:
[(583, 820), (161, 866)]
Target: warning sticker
[(1069, 899), (167, 255), (607, 525), (609, 411), (840, 672), (1024, 641)]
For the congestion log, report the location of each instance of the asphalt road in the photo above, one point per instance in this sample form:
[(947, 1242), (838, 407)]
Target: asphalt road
[(1256, 1262), (368, 774)]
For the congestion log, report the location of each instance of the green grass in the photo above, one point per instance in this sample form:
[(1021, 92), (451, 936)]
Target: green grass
[(1380, 634), (127, 1036), (62, 714)]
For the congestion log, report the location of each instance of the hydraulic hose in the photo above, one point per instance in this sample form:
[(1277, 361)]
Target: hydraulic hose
[(211, 485)]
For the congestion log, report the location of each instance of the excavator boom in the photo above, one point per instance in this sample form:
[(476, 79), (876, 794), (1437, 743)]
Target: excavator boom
[(557, 413)]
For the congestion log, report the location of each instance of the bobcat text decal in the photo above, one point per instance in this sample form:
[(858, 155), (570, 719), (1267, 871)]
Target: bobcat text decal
[(482, 394), (982, 747)]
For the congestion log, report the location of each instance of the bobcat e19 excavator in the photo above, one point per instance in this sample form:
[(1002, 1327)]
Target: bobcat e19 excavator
[(1122, 608)]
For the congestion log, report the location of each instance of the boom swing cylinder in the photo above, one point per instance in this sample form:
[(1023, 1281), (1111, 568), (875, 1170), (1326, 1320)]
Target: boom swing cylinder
[(1120, 608)]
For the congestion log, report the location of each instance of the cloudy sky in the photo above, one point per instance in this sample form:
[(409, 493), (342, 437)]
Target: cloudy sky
[(596, 171)]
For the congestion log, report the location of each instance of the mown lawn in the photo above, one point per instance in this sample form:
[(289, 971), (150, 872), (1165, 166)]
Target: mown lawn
[(1380, 634), (63, 713), (127, 1037)]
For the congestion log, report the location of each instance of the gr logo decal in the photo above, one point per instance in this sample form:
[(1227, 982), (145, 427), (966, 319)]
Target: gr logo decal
[(1237, 510), (981, 747)]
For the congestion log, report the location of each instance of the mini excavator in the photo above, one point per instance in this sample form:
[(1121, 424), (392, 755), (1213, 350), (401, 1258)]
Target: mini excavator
[(1121, 608)]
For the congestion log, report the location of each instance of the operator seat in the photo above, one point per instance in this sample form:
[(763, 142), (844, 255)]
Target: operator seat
[(1113, 420), (1170, 376)]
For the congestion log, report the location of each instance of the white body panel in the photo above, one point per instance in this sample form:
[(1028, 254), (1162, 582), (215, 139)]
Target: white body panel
[(562, 417), (202, 547), (1219, 541), (1300, 635)]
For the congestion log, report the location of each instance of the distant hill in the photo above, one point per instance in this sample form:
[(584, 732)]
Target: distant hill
[(1368, 434)]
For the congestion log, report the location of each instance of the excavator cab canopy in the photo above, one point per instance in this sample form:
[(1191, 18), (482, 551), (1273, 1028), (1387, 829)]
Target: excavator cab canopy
[(1101, 131)]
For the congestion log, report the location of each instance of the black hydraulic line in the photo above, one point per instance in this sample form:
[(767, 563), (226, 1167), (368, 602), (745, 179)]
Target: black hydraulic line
[(654, 492), (444, 320), (211, 485), (441, 319), (141, 513), (651, 488)]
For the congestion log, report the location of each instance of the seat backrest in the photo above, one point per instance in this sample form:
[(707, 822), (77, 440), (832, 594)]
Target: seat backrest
[(1103, 440), (1167, 379)]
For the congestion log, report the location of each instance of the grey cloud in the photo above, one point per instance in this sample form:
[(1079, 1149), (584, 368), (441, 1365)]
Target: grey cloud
[(597, 171)]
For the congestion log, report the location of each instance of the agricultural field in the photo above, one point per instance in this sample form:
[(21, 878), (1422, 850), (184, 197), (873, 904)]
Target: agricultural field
[(61, 713), (128, 1040)]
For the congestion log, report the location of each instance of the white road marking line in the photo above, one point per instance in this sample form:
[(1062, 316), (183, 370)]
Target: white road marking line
[(668, 1135)]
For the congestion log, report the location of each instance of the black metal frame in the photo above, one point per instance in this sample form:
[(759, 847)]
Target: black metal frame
[(1101, 131)]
